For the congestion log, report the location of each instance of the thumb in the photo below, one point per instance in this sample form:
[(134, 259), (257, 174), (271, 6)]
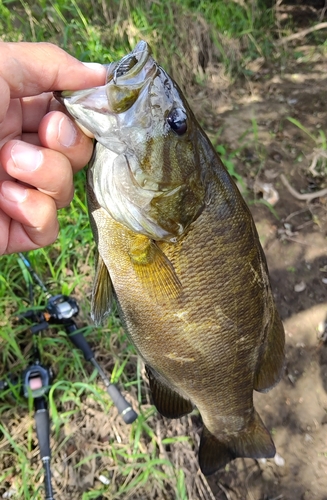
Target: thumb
[(32, 68)]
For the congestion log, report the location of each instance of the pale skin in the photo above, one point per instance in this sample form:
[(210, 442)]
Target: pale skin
[(40, 147)]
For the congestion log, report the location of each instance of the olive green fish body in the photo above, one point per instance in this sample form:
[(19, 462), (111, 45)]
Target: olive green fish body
[(179, 252), (207, 343)]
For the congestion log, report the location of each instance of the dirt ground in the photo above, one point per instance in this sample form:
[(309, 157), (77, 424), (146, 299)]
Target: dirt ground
[(295, 244)]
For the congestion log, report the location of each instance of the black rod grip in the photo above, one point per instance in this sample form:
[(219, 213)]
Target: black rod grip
[(47, 480), (42, 422), (81, 343), (123, 406)]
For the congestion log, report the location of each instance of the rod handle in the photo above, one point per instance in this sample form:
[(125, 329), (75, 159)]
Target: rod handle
[(81, 343), (123, 406)]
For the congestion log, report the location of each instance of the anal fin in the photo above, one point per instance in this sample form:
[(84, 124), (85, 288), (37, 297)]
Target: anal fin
[(153, 268), (102, 294), (167, 401), (252, 442)]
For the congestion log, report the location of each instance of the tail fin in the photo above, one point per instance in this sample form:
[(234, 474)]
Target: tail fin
[(252, 442)]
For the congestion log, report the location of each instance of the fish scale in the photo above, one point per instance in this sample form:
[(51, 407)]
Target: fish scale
[(179, 252)]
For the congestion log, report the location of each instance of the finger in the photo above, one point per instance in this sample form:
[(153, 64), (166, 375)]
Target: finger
[(48, 171), (34, 218), (58, 132), (33, 110), (32, 138), (12, 126), (30, 69), (5, 98), (23, 117)]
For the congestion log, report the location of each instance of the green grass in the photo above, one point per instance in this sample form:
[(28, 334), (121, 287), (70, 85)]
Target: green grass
[(318, 165), (136, 459), (223, 32)]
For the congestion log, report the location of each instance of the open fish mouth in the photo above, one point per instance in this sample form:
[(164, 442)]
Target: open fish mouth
[(131, 65), (124, 83)]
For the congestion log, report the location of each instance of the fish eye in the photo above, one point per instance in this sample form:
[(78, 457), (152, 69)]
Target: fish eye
[(177, 121)]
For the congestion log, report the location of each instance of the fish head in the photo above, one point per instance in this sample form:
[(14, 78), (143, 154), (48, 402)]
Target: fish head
[(147, 174)]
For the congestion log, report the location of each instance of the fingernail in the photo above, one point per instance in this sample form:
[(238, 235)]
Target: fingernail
[(13, 192), (94, 66), (67, 132), (26, 157)]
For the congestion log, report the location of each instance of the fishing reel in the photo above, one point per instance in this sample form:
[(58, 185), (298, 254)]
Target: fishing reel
[(35, 381), (59, 309), (62, 308)]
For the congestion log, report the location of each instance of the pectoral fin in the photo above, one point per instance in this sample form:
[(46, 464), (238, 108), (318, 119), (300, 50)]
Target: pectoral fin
[(102, 294), (253, 442), (167, 401), (153, 268)]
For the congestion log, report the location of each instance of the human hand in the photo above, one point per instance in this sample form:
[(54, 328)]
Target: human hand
[(40, 150)]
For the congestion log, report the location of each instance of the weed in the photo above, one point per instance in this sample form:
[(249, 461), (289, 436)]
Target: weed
[(318, 165)]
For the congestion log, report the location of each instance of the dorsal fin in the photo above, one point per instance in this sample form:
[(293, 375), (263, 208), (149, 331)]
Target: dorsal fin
[(102, 294), (153, 268), (272, 359)]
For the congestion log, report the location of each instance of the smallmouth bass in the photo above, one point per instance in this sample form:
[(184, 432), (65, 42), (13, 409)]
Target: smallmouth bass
[(180, 254)]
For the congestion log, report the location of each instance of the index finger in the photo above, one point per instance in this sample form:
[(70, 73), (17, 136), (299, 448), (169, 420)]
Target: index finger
[(32, 68)]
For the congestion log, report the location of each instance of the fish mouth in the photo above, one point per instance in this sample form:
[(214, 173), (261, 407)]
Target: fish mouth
[(125, 81), (130, 66)]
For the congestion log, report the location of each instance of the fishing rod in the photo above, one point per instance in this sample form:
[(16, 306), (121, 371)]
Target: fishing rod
[(62, 309), (36, 380)]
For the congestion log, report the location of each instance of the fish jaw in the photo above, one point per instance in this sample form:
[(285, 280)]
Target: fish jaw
[(89, 108), (102, 109)]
